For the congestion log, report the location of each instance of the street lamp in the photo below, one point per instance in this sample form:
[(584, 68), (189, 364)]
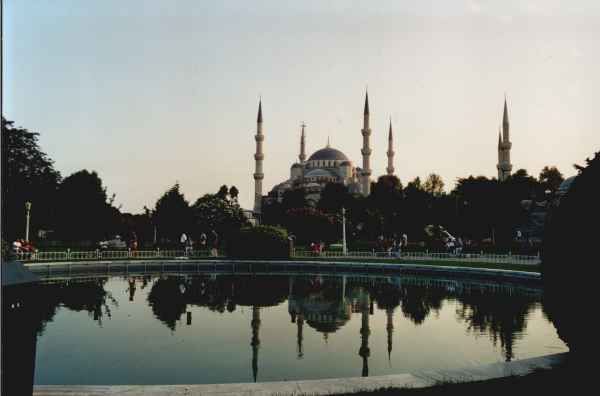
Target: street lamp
[(344, 249), (27, 216)]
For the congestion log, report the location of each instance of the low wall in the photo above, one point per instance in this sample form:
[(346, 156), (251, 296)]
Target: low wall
[(67, 269)]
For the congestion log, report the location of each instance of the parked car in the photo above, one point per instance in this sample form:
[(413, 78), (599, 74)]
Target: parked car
[(115, 243)]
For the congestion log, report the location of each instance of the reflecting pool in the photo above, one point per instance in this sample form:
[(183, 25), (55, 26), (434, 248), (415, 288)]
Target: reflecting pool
[(222, 327)]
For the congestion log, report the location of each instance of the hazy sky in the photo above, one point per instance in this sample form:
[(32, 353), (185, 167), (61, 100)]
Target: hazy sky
[(148, 93)]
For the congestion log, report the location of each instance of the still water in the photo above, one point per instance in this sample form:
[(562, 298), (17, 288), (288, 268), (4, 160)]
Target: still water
[(218, 328)]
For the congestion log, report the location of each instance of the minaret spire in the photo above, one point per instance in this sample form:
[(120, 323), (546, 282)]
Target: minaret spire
[(390, 152), (504, 145), (302, 156), (365, 175), (505, 123), (258, 158)]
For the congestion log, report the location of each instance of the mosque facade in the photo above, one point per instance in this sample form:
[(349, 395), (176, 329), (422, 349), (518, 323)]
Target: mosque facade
[(326, 165), (330, 165)]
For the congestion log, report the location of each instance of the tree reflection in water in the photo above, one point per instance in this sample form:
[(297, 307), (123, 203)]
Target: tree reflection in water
[(486, 313), (325, 303), (25, 312)]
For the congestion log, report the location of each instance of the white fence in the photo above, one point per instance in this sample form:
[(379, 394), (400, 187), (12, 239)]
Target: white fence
[(422, 256), (171, 254), (111, 255)]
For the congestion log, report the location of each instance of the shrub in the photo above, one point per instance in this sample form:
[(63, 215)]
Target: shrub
[(568, 257), (312, 225), (261, 242)]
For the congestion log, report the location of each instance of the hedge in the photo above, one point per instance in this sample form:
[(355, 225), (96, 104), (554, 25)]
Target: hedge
[(260, 242)]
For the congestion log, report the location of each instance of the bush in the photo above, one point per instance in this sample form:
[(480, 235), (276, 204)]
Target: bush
[(261, 242), (569, 256)]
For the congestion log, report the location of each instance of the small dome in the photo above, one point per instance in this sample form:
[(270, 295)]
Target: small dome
[(346, 163), (328, 154), (296, 165)]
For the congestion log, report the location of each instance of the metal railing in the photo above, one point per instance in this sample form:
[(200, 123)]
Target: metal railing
[(174, 254), (69, 255), (422, 256)]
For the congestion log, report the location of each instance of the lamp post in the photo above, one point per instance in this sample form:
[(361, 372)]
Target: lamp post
[(344, 249), (27, 216)]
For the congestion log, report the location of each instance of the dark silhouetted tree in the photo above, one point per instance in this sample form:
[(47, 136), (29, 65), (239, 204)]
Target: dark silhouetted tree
[(172, 215), (551, 178), (27, 175), (83, 211)]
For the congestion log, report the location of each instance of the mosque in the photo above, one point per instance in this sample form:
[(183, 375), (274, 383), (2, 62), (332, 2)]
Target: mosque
[(329, 165)]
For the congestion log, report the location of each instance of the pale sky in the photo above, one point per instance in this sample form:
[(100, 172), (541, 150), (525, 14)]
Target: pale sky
[(148, 93)]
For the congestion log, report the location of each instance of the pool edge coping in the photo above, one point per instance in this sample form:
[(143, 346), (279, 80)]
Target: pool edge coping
[(332, 386), (529, 275)]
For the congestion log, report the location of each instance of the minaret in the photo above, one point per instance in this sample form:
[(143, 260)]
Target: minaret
[(255, 343), (258, 157), (365, 331), (366, 150), (390, 152), (302, 156), (504, 145)]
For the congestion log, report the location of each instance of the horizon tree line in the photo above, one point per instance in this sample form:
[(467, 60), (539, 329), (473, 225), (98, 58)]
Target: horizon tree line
[(78, 207)]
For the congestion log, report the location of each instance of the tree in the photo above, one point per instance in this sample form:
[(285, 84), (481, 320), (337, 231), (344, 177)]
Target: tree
[(551, 178), (83, 212), (434, 184), (27, 175), (172, 215), (312, 225), (223, 192), (211, 212), (415, 184), (334, 196), (387, 198), (293, 199), (233, 193)]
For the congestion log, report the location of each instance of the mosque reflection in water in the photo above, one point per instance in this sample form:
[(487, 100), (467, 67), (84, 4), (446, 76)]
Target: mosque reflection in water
[(324, 303)]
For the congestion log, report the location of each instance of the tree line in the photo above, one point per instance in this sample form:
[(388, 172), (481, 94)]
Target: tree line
[(78, 207), (478, 209)]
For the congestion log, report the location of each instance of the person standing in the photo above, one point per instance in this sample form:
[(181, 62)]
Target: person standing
[(215, 243), (202, 241), (183, 241)]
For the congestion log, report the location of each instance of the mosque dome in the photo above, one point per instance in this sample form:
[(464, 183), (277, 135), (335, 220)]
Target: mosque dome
[(328, 154)]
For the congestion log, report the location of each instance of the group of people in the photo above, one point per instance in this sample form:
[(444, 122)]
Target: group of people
[(22, 246), (188, 244), (393, 246), (454, 245), (317, 247)]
